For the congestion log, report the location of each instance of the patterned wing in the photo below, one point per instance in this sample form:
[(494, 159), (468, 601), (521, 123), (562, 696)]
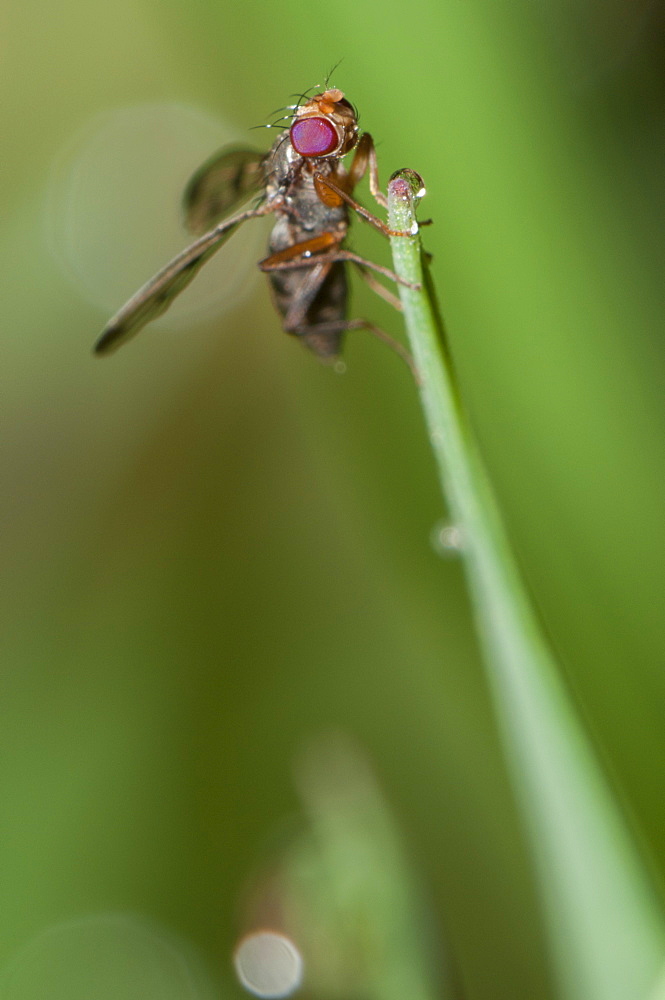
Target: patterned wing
[(157, 295), (220, 186)]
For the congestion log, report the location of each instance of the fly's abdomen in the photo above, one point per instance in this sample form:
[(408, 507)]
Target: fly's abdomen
[(326, 318)]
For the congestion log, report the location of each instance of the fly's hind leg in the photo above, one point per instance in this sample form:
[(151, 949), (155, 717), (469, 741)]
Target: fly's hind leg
[(379, 289), (317, 334), (315, 257), (399, 349)]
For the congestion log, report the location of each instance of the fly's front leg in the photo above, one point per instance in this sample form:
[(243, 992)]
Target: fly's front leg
[(331, 193), (364, 158)]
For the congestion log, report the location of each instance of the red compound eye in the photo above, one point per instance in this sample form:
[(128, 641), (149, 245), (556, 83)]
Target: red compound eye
[(314, 137)]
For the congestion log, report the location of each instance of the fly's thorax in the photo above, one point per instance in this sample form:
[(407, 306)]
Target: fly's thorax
[(304, 206), (314, 217), (285, 168), (290, 184)]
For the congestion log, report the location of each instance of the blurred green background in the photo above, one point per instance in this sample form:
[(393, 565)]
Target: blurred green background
[(216, 549)]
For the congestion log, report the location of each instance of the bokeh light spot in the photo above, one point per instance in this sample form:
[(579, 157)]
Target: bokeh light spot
[(268, 964), (113, 216)]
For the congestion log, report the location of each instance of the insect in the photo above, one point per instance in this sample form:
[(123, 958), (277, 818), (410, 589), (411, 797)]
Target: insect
[(303, 182)]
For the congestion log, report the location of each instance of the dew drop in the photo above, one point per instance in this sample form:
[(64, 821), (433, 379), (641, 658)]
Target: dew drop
[(447, 539)]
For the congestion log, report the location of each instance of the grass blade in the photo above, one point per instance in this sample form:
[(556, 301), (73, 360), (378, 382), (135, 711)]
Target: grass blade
[(606, 931)]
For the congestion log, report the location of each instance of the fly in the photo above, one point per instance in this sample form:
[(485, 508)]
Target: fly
[(303, 182)]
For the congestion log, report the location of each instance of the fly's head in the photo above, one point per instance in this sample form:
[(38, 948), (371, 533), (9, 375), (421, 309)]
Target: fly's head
[(325, 127)]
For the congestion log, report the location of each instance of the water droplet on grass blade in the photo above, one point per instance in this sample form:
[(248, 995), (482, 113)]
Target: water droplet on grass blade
[(447, 539)]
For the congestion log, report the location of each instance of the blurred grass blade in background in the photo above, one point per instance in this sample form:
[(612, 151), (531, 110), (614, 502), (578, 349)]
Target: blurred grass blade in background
[(345, 892)]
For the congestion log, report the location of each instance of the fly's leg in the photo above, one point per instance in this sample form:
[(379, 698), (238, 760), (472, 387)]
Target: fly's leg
[(364, 158), (282, 261), (288, 257), (363, 264), (330, 191), (359, 324), (313, 279), (399, 349), (303, 256), (332, 194), (317, 269), (379, 289)]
